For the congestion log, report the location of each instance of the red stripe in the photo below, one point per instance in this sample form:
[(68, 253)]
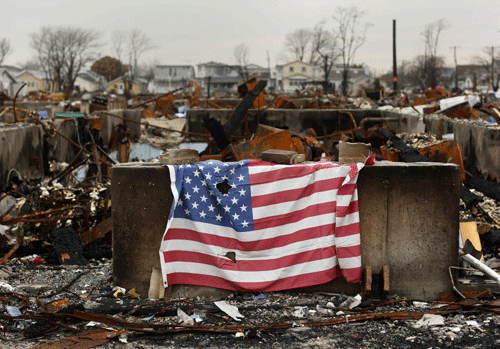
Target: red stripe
[(352, 274), (305, 280), (296, 194), (225, 263), (287, 173), (292, 217), (347, 230), (348, 252), (343, 211), (258, 245)]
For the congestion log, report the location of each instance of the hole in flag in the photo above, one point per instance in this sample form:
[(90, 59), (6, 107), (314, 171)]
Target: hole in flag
[(223, 187), (231, 256)]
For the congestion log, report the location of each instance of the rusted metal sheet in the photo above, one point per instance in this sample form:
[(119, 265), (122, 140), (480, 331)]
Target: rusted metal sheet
[(57, 305), (96, 232), (280, 140), (386, 278), (367, 281), (243, 89)]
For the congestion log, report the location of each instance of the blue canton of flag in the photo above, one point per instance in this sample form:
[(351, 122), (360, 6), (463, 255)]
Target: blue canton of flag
[(203, 198)]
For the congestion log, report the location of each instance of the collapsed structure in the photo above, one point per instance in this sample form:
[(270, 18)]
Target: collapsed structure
[(70, 183)]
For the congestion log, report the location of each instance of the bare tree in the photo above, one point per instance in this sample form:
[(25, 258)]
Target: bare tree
[(118, 40), (324, 51), (298, 43), (431, 34), (4, 49), (241, 57), (490, 64), (64, 51), (138, 44), (350, 37)]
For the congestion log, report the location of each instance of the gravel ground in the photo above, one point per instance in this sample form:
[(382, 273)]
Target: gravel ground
[(469, 329)]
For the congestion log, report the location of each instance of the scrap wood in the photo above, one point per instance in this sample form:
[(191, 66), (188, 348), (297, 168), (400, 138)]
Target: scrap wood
[(156, 98), (84, 340)]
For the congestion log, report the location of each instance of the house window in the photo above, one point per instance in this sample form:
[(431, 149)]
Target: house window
[(291, 69), (303, 69)]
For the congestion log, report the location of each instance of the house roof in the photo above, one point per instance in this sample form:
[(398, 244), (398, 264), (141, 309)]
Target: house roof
[(296, 61), (6, 72), (90, 76), (38, 74)]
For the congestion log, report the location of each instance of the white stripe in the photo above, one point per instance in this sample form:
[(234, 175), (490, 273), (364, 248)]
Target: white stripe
[(350, 263), (347, 241), (263, 169), (255, 235), (298, 182), (252, 276), (271, 253)]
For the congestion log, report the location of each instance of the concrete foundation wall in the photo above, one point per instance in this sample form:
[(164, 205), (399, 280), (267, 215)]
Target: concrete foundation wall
[(21, 149), (479, 143), (109, 122), (50, 107), (324, 121), (408, 214)]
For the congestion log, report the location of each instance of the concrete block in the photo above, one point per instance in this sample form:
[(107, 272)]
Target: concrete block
[(408, 219)]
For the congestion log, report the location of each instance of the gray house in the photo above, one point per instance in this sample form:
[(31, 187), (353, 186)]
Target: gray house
[(223, 78), (170, 77)]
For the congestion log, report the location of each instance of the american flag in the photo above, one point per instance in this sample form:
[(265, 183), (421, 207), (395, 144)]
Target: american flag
[(272, 227)]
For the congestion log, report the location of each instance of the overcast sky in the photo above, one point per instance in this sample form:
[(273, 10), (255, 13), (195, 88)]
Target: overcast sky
[(196, 31)]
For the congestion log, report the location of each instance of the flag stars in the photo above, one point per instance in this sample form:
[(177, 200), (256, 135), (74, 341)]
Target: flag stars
[(202, 214), (179, 202), (187, 196), (188, 180), (211, 208), (240, 177), (211, 192), (242, 192), (241, 163), (203, 198), (186, 211), (196, 189), (243, 208), (196, 173), (201, 167), (227, 208), (224, 177), (244, 224), (195, 205), (219, 200), (233, 185), (236, 216), (218, 217), (233, 171), (210, 162), (217, 169), (204, 183), (209, 176), (234, 201)]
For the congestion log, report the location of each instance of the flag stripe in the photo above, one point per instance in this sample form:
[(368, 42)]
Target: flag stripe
[(254, 245), (313, 278), (253, 276), (249, 265)]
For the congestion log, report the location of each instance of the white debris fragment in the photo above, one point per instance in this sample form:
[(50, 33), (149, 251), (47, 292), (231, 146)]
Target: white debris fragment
[(229, 309)]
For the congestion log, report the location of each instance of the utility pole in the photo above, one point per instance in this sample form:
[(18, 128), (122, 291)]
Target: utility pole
[(492, 67), (269, 69), (456, 66), (394, 60)]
